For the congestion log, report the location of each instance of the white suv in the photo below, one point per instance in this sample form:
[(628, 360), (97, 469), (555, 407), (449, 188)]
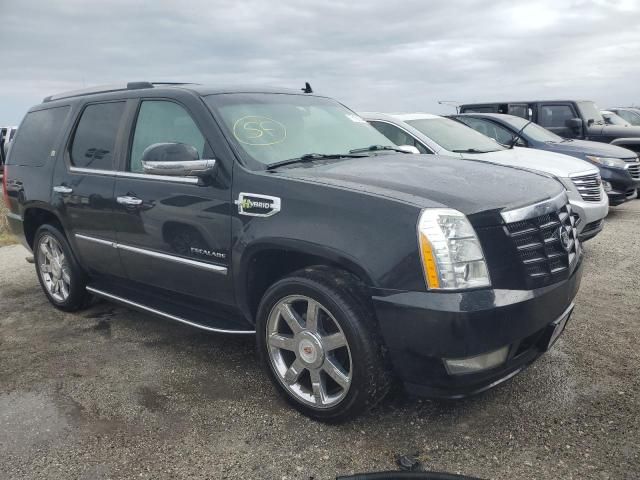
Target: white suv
[(443, 136)]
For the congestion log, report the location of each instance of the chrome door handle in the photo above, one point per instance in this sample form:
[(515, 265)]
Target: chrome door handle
[(127, 200), (62, 189)]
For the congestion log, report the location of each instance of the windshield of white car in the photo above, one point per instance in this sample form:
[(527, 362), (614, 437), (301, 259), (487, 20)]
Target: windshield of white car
[(270, 128), (454, 136), (613, 119)]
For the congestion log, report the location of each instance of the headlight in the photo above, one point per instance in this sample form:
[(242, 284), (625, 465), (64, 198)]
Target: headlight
[(608, 162), (452, 257)]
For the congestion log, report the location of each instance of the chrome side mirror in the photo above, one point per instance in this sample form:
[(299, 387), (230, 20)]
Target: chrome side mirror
[(408, 149), (176, 160), (188, 168)]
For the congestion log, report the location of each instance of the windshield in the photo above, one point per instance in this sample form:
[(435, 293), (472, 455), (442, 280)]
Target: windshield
[(613, 119), (269, 128), (590, 111), (533, 131), (453, 136)]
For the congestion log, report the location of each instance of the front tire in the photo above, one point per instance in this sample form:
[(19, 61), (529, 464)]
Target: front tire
[(317, 336), (62, 280)]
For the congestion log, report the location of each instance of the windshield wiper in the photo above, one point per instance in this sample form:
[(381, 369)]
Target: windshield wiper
[(473, 150), (376, 148), (518, 135), (310, 157)]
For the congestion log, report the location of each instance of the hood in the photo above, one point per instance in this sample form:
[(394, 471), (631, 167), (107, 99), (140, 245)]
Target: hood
[(551, 163), (585, 147), (468, 186)]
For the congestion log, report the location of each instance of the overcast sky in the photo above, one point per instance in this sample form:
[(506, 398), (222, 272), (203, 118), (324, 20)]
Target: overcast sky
[(372, 55)]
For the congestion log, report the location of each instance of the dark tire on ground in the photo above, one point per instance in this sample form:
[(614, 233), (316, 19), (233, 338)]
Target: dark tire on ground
[(78, 297), (346, 299)]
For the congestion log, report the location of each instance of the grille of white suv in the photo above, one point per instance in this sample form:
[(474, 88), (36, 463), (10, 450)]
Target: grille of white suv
[(588, 186)]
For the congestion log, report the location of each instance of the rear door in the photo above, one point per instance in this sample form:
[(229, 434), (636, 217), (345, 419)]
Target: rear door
[(83, 185), (554, 117), (174, 232)]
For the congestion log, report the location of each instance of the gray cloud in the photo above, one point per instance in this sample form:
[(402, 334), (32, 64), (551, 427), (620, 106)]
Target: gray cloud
[(372, 55)]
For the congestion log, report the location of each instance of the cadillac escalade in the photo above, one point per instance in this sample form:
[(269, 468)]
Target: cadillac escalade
[(284, 215)]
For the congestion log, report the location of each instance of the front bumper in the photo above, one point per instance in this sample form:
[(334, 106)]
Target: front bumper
[(420, 329), (622, 184), (618, 197), (590, 213)]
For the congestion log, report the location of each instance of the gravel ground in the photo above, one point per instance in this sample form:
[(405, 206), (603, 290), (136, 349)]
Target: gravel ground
[(112, 393)]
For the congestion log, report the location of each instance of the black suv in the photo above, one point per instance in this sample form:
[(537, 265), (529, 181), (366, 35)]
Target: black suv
[(286, 216), (580, 119)]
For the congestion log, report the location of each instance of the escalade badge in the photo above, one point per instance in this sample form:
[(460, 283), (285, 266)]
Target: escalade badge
[(565, 240), (256, 205)]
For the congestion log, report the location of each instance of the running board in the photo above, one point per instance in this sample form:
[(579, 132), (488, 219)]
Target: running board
[(160, 313)]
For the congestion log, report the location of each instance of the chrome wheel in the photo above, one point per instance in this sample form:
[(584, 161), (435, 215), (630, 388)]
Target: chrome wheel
[(309, 351), (54, 270)]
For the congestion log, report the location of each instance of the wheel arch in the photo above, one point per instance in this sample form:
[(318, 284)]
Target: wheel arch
[(262, 264), (36, 215)]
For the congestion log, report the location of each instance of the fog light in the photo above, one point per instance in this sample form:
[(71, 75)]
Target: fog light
[(607, 186), (460, 366)]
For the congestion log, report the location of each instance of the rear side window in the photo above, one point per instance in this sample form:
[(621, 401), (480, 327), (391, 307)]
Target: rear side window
[(519, 110), (38, 137), (94, 141)]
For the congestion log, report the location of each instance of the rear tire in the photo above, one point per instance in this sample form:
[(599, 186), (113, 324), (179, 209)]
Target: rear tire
[(318, 340), (61, 278)]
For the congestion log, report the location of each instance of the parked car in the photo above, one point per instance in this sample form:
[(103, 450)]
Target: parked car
[(630, 114), (443, 136), (567, 118), (611, 118), (619, 167), (323, 241), (6, 135)]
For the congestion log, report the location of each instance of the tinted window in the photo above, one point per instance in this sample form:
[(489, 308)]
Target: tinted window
[(519, 110), (95, 139), (39, 136), (555, 115), (161, 122), (490, 129), (398, 136)]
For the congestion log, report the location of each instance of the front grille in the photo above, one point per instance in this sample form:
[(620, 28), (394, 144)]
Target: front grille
[(547, 245), (588, 186), (634, 170)]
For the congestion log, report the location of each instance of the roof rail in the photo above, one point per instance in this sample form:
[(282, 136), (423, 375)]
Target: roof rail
[(98, 89)]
